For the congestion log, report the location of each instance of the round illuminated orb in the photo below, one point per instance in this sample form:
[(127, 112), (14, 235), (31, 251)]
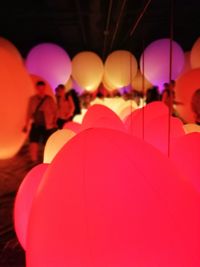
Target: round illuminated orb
[(49, 90), (111, 199), (24, 200), (126, 109), (191, 128), (187, 66), (73, 126), (185, 154), (136, 123), (140, 83), (157, 61), (120, 68), (186, 85), (55, 142), (87, 70), (100, 116), (16, 88), (10, 47), (107, 84), (51, 62), (195, 54)]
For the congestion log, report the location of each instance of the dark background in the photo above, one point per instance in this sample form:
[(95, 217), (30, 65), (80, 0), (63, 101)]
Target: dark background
[(79, 25)]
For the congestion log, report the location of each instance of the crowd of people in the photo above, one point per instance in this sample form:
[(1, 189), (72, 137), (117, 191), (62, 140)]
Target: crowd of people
[(45, 115)]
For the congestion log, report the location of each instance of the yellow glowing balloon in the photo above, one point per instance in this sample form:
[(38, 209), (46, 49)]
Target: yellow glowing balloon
[(16, 88), (9, 47), (191, 128), (120, 68), (69, 84), (87, 70), (195, 54), (108, 85), (55, 142), (127, 108), (140, 83)]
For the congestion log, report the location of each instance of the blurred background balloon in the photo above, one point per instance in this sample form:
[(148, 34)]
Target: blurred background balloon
[(87, 70), (195, 54), (49, 61)]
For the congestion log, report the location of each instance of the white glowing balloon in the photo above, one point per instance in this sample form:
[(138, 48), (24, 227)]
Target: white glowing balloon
[(55, 142), (120, 68)]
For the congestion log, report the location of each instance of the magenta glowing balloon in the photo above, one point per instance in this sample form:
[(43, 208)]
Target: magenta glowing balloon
[(109, 199), (185, 154), (100, 116), (51, 62), (157, 61), (24, 200)]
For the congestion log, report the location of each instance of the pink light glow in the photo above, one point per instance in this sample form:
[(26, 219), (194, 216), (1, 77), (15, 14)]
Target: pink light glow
[(111, 199), (51, 62), (24, 200), (157, 61)]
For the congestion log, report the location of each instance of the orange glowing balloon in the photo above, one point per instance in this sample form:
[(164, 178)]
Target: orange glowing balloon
[(16, 88), (195, 54), (10, 47), (87, 70), (120, 68), (186, 85)]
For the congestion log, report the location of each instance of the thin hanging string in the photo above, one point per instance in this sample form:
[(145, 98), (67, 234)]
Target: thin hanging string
[(171, 2), (143, 85)]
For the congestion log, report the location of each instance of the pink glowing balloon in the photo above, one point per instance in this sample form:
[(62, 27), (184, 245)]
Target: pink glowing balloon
[(158, 133), (186, 85), (51, 62), (142, 117), (16, 88), (157, 61), (185, 154), (111, 199), (24, 200), (99, 116), (74, 126)]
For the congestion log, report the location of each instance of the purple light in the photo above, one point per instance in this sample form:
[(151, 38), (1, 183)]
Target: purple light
[(157, 61), (51, 62)]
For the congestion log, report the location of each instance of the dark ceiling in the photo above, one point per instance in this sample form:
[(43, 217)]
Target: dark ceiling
[(99, 25)]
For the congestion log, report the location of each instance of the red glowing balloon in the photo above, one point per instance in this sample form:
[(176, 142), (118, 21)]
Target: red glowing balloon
[(111, 199), (186, 156), (186, 85), (74, 126), (99, 116), (24, 200)]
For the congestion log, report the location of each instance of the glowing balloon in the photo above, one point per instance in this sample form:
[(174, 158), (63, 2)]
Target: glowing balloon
[(16, 88), (139, 81), (87, 70), (49, 90), (195, 54), (185, 154), (73, 126), (55, 142), (191, 128), (187, 66), (51, 62), (120, 68), (109, 199), (9, 47), (157, 61), (112, 103), (99, 116), (24, 200), (108, 85), (137, 121), (127, 108), (186, 85)]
